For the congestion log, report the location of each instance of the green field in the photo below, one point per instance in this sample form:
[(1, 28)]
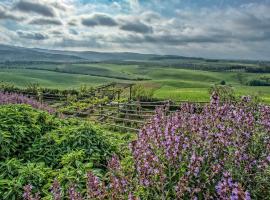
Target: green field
[(168, 82)]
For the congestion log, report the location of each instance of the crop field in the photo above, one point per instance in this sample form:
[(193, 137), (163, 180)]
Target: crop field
[(167, 82)]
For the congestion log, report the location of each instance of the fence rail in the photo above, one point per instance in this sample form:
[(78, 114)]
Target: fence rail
[(132, 114)]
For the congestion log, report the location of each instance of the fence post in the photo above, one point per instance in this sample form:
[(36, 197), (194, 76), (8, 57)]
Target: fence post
[(130, 92), (118, 99)]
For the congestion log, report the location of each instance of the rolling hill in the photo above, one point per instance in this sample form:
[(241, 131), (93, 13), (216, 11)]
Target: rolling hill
[(17, 54)]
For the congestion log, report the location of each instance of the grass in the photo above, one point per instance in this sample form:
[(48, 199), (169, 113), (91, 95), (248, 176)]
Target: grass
[(183, 94), (23, 77), (168, 83)]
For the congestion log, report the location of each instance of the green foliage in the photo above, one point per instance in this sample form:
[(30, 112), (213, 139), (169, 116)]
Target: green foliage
[(73, 157), (14, 174), (141, 93), (7, 87), (37, 147), (19, 127), (225, 93), (36, 89), (73, 105), (51, 147)]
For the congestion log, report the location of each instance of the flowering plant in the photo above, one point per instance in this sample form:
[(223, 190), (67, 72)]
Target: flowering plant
[(220, 151), (15, 98)]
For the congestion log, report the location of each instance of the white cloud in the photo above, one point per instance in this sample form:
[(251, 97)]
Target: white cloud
[(130, 26)]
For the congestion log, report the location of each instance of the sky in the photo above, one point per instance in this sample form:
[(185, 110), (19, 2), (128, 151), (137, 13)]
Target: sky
[(230, 29)]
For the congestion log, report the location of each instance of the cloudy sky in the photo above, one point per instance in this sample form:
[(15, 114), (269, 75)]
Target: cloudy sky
[(202, 28)]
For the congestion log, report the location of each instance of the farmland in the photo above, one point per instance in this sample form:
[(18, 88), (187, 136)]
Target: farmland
[(168, 82)]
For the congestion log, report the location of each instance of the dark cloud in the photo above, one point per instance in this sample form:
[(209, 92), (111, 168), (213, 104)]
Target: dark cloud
[(252, 22), (173, 39), (99, 20), (90, 42), (32, 35), (4, 14), (42, 21), (137, 27), (36, 7), (56, 33), (179, 40)]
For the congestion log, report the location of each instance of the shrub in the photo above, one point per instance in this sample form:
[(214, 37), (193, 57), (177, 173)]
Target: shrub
[(51, 147), (37, 147), (15, 174), (222, 82), (19, 127)]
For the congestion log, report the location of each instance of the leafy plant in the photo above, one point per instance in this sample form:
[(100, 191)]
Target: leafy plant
[(37, 147), (83, 137), (19, 127)]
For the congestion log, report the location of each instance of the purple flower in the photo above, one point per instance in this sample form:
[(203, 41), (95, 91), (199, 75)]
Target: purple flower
[(56, 190), (14, 98)]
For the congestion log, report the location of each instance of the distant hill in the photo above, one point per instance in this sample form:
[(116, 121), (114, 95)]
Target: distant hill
[(14, 54), (22, 54), (101, 56)]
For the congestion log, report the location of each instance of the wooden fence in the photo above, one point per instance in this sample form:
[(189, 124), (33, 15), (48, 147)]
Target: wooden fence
[(133, 115)]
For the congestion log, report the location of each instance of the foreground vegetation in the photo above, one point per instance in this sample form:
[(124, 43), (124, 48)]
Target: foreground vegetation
[(37, 147), (217, 151)]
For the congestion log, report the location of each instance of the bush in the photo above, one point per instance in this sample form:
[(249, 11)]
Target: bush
[(37, 147), (222, 82), (51, 147), (15, 174), (19, 127)]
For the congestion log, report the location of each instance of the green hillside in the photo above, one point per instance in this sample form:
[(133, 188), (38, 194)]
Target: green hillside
[(168, 82)]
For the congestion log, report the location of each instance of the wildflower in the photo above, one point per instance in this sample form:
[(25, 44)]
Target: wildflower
[(56, 190)]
